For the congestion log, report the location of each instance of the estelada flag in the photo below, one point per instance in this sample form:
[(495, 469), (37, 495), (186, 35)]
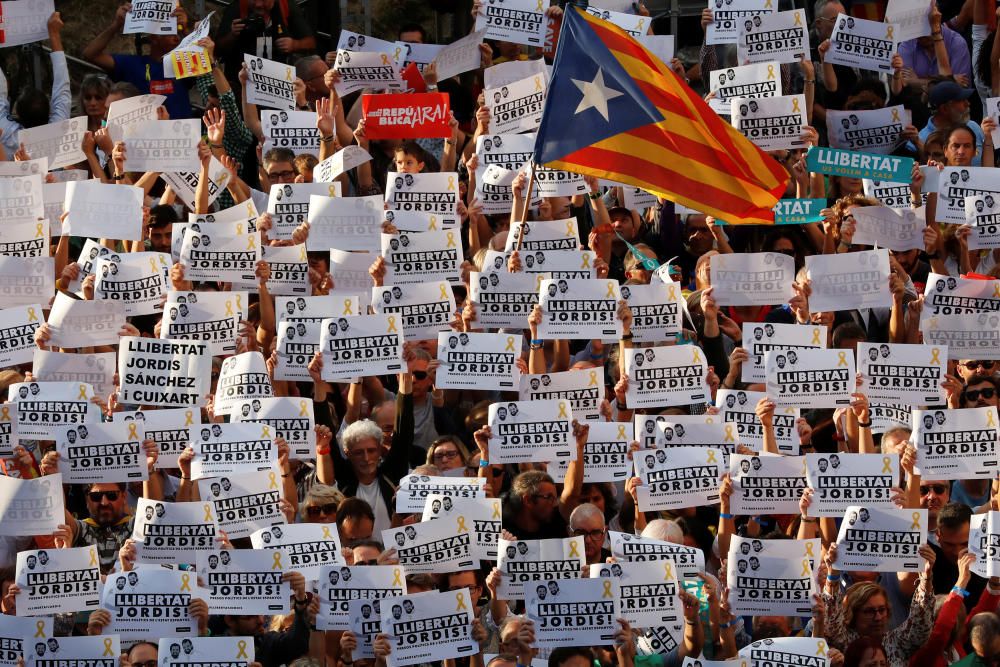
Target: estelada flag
[(406, 115), (615, 111)]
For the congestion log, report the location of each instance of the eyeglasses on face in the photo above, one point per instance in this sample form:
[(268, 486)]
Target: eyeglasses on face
[(445, 454), (987, 393), (874, 611), (593, 535), (938, 489), (419, 375), (96, 496), (547, 497), (314, 511)]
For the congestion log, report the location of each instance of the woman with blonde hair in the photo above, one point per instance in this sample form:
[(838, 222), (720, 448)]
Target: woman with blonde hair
[(447, 453), (320, 504)]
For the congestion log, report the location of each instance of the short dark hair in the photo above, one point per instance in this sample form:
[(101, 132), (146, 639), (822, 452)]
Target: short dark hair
[(978, 378), (846, 331), (564, 653), (279, 155), (133, 646), (413, 27), (32, 108), (961, 127), (161, 215), (954, 515), (413, 149), (367, 542), (354, 508)]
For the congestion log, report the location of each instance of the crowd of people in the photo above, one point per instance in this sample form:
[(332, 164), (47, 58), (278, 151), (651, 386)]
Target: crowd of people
[(375, 431)]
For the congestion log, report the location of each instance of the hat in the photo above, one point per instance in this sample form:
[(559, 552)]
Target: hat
[(619, 210), (948, 91)]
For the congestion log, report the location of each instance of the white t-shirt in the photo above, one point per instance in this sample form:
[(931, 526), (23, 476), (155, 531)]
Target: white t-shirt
[(371, 494)]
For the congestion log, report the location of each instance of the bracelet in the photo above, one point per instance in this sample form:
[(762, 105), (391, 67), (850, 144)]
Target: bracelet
[(833, 577), (483, 463), (726, 626), (535, 346), (323, 451), (725, 515), (537, 341), (219, 146), (961, 591), (594, 195), (866, 424), (808, 519), (186, 479), (118, 177), (326, 140), (808, 81)]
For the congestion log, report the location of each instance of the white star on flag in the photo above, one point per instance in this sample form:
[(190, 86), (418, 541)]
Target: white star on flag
[(596, 94)]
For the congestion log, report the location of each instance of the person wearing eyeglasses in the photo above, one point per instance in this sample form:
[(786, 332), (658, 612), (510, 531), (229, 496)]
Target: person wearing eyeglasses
[(447, 453), (968, 368), (587, 521)]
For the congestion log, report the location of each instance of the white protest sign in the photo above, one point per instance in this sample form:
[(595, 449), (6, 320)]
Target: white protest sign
[(26, 280), (71, 651), (760, 585), (24, 22), (345, 223), (154, 17), (297, 343), (531, 431), (42, 406), (220, 252), (876, 131), (950, 295), (567, 613), (422, 257), (957, 183), (60, 141), (151, 601), (983, 215), (163, 145), (508, 152), (504, 300), (245, 502), (544, 235), (414, 489), (804, 651), (524, 563), (349, 271), (242, 376), (316, 308), (339, 585), (76, 323), (171, 373), (984, 543), (307, 547), (956, 444), (288, 205), (170, 429), (483, 514), (209, 317), (647, 592), (862, 44), (424, 309), (57, 581), (518, 21), (9, 438), (289, 418), (229, 651), (22, 199), (478, 361), (101, 452), (97, 369), (427, 627), (433, 547), (899, 230), (752, 279), (910, 18), (664, 376), (656, 311), (966, 336), (727, 19), (893, 195), (342, 161), (167, 532), (876, 539), (360, 345), (579, 308), (780, 36), (360, 70), (460, 56), (132, 110), (582, 390), (289, 269), (25, 238), (677, 477), (772, 123), (841, 480), (29, 506), (38, 166), (433, 195), (17, 634), (516, 107), (17, 335), (700, 431), (766, 484), (134, 279), (270, 83), (185, 183), (635, 549), (903, 374), (100, 210), (849, 280), (605, 456), (233, 449), (294, 130), (810, 378), (567, 264), (761, 338), (353, 41)]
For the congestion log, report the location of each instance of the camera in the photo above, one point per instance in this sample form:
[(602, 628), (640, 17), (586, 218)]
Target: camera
[(254, 24)]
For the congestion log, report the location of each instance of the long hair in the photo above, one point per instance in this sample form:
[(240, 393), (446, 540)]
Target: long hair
[(856, 596)]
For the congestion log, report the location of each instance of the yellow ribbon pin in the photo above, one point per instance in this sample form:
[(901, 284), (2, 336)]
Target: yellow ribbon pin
[(606, 593), (107, 646), (348, 310), (391, 320), (886, 467), (272, 479), (574, 552), (916, 521), (242, 646), (40, 629), (461, 527), (806, 571), (841, 359), (815, 338), (510, 344), (208, 512), (562, 411), (188, 418), (83, 392), (32, 316), (460, 599), (397, 578), (276, 556), (444, 291), (451, 239), (93, 557), (186, 582), (593, 379), (936, 356), (132, 435)]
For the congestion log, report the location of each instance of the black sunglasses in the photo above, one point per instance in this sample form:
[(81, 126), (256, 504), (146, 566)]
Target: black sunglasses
[(314, 511), (973, 395), (419, 375), (939, 489), (95, 496), (977, 364)]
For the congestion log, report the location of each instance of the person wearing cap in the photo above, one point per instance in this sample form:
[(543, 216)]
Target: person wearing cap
[(951, 107), (942, 53)]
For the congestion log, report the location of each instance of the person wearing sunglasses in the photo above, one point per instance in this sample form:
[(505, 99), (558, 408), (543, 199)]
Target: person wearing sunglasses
[(109, 523), (321, 504), (980, 392), (967, 368)]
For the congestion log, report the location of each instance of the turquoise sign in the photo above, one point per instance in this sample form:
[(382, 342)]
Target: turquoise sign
[(839, 162)]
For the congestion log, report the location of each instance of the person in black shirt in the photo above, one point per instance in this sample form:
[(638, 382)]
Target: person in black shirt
[(271, 29), (952, 532)]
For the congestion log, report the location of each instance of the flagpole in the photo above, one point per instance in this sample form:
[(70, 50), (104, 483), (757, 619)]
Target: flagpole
[(524, 210)]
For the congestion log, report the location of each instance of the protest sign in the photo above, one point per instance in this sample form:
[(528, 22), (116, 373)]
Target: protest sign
[(101, 452), (766, 484), (568, 613), (307, 547), (360, 345), (422, 257), (767, 548), (579, 308), (983, 215), (26, 280), (297, 343), (956, 444), (17, 634), (353, 41), (134, 279), (752, 279), (854, 164), (727, 19), (209, 317), (76, 323), (910, 18), (345, 223), (406, 116), (72, 651), (232, 449), (22, 199), (903, 374), (289, 269), (984, 543), (656, 311), (957, 183), (149, 602), (133, 110), (899, 230), (17, 335), (166, 532), (504, 300), (965, 336), (877, 539), (763, 585), (583, 391), (222, 251), (893, 195), (339, 585), (483, 514), (427, 627), (950, 295), (749, 81), (566, 264), (60, 141), (531, 431), (24, 22), (37, 166), (270, 83), (876, 131), (294, 130), (677, 477), (841, 480), (433, 547), (460, 56), (516, 107), (803, 651), (647, 592), (635, 25), (798, 211), (97, 369), (365, 621), (781, 37), (109, 211), (30, 506), (317, 308), (517, 21), (25, 238), (507, 151), (772, 123), (605, 456), (187, 59), (344, 160), (423, 309), (289, 418), (170, 429), (664, 376), (414, 489), (862, 44), (244, 502), (810, 378), (421, 196), (759, 339), (201, 651), (478, 361), (288, 204), (168, 373), (163, 145), (360, 70), (524, 563), (699, 431), (544, 235), (558, 183), (57, 581), (849, 281), (42, 406), (689, 561), (185, 183)]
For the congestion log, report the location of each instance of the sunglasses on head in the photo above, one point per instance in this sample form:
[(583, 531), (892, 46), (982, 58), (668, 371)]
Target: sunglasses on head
[(95, 496), (987, 393), (419, 375), (971, 365), (314, 511), (939, 489)]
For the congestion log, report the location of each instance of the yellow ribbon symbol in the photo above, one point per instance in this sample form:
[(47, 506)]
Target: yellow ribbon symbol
[(434, 224), (251, 243), (496, 509), (302, 253), (695, 355), (326, 532), (569, 228), (989, 419), (671, 293), (186, 582), (303, 408), (640, 24), (936, 356), (239, 230), (585, 261), (444, 291), (805, 568), (573, 551), (332, 190), (460, 599), (888, 35), (916, 521), (288, 74), (809, 549), (451, 183), (668, 573), (276, 556), (107, 647), (795, 100), (32, 316), (38, 230), (462, 528), (711, 455), (841, 359), (606, 593), (821, 647), (538, 7), (395, 56), (397, 579), (996, 290), (229, 307), (885, 464), (40, 628), (5, 413), (895, 112), (239, 303), (188, 418), (562, 411), (815, 339), (347, 308), (265, 431), (451, 239), (593, 379), (611, 289), (798, 18), (729, 434), (242, 646), (132, 435), (93, 557), (208, 512), (510, 344), (385, 58), (83, 392), (391, 319), (770, 68), (621, 432), (272, 478), (538, 83), (153, 265)]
